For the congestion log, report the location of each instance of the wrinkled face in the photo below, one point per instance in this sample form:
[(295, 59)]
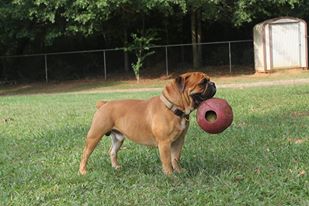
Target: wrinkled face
[(197, 85)]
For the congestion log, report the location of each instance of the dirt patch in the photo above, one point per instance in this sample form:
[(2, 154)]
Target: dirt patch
[(98, 85), (297, 140), (266, 83), (300, 114)]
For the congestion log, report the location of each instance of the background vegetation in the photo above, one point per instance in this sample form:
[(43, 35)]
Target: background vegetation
[(31, 26), (36, 26)]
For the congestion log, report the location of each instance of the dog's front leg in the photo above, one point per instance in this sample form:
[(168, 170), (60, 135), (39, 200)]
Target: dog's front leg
[(176, 148), (165, 156)]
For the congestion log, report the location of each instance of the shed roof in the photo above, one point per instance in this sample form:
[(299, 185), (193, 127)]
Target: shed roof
[(282, 19)]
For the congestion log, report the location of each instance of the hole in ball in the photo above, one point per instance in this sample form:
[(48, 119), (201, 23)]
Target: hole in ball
[(210, 116)]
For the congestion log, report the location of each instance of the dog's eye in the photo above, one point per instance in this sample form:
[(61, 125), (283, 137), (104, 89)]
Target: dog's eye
[(203, 82)]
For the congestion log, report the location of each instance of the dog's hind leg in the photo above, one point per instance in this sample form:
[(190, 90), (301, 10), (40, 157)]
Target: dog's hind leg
[(91, 142), (117, 141), (98, 128)]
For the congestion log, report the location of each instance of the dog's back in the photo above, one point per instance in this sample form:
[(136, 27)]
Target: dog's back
[(100, 104)]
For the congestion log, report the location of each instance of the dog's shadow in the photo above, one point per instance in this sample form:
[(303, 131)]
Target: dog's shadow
[(207, 165), (148, 163)]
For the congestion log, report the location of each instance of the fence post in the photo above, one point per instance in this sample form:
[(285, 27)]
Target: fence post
[(166, 61), (230, 57), (46, 68), (104, 57)]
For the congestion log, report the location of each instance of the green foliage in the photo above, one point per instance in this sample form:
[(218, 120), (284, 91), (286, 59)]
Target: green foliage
[(40, 22), (246, 11), (140, 45)]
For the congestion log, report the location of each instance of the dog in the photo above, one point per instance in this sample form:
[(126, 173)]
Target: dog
[(160, 121)]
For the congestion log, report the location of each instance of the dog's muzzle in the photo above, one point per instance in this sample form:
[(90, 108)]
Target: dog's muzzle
[(208, 93)]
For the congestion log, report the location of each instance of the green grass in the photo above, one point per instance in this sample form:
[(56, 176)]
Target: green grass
[(257, 161)]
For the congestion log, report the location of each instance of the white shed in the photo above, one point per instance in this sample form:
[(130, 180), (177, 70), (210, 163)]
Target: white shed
[(280, 43)]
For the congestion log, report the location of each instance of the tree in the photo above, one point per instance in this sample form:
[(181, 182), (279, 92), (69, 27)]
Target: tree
[(30, 26), (245, 11), (201, 11), (140, 45)]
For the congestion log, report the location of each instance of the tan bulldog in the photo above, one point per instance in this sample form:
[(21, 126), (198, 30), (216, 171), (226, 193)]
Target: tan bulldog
[(160, 121)]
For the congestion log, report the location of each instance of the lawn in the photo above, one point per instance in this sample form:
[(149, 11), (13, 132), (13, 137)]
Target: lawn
[(262, 159)]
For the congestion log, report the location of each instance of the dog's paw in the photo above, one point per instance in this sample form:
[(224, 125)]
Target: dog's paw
[(82, 172), (117, 167), (168, 172), (180, 170)]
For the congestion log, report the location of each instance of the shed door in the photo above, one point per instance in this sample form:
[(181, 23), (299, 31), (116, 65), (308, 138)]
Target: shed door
[(285, 46)]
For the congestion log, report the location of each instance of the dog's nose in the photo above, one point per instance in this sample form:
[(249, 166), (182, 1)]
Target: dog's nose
[(211, 90), (212, 84)]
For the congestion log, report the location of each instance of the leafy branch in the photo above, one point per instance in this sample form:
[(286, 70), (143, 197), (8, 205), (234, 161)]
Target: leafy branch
[(141, 46)]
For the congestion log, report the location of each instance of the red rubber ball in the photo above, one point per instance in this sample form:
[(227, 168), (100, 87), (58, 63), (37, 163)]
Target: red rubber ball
[(214, 115)]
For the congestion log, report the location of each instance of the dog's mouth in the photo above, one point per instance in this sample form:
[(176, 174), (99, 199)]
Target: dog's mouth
[(208, 93)]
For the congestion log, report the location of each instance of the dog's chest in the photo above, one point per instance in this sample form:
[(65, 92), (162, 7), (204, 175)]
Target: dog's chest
[(183, 124)]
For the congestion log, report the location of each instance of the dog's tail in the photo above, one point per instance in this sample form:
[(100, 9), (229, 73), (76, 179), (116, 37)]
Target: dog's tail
[(100, 103)]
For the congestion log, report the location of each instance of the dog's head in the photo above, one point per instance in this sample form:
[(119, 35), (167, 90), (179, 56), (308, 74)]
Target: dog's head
[(196, 86)]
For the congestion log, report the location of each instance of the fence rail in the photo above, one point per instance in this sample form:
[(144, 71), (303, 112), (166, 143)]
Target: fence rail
[(169, 54)]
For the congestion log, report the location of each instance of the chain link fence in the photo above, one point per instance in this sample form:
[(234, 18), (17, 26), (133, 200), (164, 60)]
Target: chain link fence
[(226, 57)]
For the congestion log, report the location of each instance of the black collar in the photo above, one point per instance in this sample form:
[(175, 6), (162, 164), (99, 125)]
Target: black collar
[(175, 109)]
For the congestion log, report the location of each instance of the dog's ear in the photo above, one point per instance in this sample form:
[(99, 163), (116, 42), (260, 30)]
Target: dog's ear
[(180, 83)]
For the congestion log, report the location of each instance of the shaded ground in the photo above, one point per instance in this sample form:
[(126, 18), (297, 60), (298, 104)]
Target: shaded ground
[(285, 77)]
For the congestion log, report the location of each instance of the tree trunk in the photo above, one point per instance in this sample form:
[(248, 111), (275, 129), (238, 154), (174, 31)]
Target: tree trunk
[(166, 32), (126, 55), (182, 47), (199, 38), (194, 39)]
